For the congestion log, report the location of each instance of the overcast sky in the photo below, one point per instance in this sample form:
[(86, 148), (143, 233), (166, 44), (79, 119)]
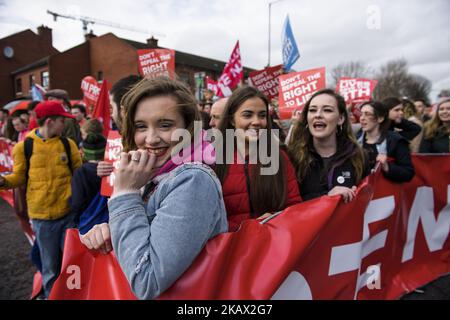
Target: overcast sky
[(328, 32)]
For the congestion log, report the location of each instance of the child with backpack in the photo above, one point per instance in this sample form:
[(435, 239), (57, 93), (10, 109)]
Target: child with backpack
[(44, 162)]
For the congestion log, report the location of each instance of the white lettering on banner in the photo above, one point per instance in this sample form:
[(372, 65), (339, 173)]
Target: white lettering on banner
[(73, 281), (294, 287), (373, 280), (160, 67), (436, 230), (348, 257), (114, 153), (112, 176)]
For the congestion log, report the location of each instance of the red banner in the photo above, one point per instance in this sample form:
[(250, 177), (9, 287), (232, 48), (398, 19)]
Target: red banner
[(232, 74), (266, 80), (391, 239), (91, 91), (112, 155), (156, 62), (356, 90), (296, 88)]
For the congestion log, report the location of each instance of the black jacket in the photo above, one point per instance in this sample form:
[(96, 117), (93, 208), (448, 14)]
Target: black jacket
[(409, 129), (319, 181), (438, 144), (401, 169), (85, 185)]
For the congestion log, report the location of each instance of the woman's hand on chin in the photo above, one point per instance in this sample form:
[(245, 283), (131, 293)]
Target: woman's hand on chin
[(135, 170)]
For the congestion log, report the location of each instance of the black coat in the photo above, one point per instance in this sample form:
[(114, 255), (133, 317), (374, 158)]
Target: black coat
[(401, 169), (318, 182), (438, 144), (408, 129), (85, 186)]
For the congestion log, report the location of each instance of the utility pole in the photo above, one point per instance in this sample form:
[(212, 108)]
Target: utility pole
[(270, 14)]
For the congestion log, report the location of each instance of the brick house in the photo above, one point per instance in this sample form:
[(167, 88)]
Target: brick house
[(18, 50), (106, 57)]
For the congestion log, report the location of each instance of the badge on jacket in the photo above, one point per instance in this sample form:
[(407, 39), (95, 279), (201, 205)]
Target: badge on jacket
[(344, 175)]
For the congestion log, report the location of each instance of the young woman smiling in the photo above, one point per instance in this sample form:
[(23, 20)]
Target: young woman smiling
[(248, 192), (326, 155), (158, 224), (436, 137)]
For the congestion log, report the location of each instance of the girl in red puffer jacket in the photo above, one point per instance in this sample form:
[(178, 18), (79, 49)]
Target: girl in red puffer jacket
[(256, 173)]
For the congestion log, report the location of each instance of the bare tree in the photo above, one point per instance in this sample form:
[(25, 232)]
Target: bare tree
[(444, 93), (392, 78), (417, 87), (353, 69)]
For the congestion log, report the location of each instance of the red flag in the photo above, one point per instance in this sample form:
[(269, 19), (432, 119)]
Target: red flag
[(232, 74), (101, 111)]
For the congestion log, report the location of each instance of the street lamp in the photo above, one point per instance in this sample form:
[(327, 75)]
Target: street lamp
[(270, 13)]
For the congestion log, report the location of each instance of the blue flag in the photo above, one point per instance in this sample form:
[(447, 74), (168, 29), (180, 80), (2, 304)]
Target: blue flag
[(290, 50)]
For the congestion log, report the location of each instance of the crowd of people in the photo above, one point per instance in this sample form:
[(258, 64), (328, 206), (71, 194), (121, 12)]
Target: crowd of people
[(162, 212)]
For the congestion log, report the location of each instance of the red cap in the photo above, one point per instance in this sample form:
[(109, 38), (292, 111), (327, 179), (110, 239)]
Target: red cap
[(51, 108)]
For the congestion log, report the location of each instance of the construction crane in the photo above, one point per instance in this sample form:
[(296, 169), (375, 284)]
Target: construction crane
[(87, 20)]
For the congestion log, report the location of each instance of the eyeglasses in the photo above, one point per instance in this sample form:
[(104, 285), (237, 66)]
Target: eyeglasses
[(367, 115)]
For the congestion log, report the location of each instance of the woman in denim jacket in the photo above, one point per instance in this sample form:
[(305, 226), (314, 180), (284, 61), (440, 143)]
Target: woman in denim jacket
[(163, 210)]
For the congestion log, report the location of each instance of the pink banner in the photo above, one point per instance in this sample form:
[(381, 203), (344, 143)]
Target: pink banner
[(391, 239), (356, 90)]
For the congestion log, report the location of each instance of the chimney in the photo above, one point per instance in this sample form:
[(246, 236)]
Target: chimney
[(45, 33), (90, 35), (152, 42)]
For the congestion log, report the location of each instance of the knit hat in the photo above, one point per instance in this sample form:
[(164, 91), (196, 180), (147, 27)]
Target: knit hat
[(94, 147)]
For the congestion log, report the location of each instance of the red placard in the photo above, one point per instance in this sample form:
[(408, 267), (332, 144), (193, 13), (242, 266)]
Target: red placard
[(356, 90), (156, 62), (91, 91), (266, 80), (296, 88), (212, 85), (112, 155)]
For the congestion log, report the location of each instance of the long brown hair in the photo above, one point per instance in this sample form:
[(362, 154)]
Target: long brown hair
[(267, 192), (435, 125), (161, 86), (301, 142)]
